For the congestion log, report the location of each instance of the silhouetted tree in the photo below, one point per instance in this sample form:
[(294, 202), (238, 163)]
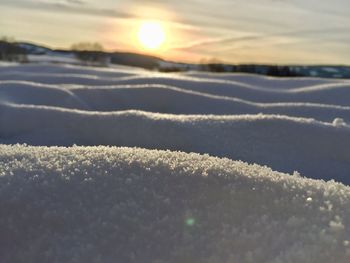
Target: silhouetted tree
[(11, 51), (212, 65), (87, 46), (281, 71), (90, 53)]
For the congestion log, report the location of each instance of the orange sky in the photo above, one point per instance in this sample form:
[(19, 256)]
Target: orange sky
[(240, 31)]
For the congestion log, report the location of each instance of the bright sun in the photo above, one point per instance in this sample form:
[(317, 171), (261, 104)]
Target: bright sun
[(151, 35)]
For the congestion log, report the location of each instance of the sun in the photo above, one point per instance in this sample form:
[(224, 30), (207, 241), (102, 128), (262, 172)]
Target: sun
[(151, 35)]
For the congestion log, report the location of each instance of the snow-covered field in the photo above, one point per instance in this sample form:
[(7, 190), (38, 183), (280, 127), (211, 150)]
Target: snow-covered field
[(112, 204)]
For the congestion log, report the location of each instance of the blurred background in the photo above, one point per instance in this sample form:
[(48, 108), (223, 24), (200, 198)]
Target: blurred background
[(217, 33)]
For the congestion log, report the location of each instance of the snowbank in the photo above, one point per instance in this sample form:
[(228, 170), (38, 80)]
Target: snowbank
[(161, 98), (293, 124), (315, 149), (110, 204), (98, 204)]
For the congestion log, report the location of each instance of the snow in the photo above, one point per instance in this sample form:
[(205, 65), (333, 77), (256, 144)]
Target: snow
[(169, 199), (283, 143), (102, 204), (54, 58), (300, 127)]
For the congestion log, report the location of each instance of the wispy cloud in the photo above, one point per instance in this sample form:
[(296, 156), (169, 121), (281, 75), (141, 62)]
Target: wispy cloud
[(83, 7), (59, 2), (70, 6), (76, 2), (256, 37), (211, 41)]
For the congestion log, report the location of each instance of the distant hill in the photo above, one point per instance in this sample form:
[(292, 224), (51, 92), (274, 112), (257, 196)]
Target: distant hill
[(30, 52), (121, 58)]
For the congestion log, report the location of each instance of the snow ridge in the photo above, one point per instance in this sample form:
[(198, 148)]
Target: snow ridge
[(141, 187), (99, 204), (191, 112)]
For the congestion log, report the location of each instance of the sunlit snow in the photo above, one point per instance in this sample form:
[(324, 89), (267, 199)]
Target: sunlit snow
[(187, 170)]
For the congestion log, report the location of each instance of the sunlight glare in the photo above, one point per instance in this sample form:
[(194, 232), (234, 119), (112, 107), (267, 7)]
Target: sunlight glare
[(151, 35)]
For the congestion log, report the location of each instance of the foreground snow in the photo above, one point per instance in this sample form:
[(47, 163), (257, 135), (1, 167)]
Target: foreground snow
[(110, 204), (98, 204)]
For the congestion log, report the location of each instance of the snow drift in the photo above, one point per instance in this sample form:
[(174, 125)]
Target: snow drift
[(316, 149), (160, 98), (294, 124), (98, 204), (92, 203)]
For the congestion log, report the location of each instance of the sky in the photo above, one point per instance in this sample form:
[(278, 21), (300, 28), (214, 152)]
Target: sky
[(234, 31)]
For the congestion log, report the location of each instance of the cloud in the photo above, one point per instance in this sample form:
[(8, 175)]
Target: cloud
[(61, 2), (83, 7), (75, 7), (220, 41), (76, 2), (251, 38)]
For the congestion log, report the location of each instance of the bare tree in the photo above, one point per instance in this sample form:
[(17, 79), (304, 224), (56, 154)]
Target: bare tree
[(87, 46), (11, 51), (90, 53)]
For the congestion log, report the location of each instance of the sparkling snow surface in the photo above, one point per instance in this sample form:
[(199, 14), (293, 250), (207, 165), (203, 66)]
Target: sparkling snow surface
[(110, 204), (98, 204)]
